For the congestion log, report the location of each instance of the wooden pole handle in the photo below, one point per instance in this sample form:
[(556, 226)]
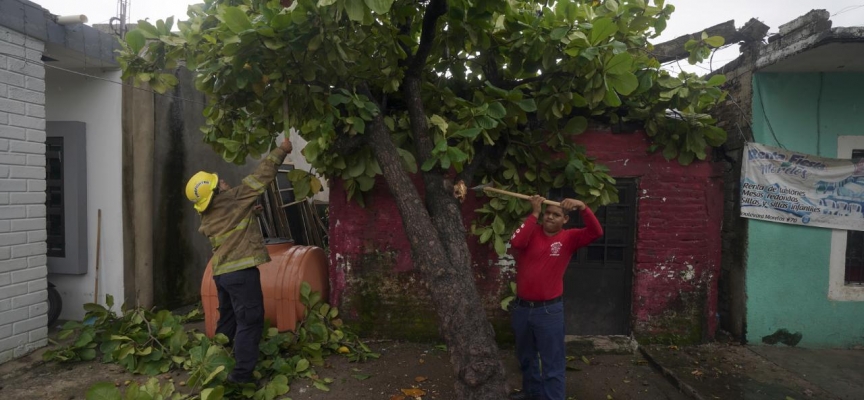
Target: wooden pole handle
[(98, 250), (519, 195)]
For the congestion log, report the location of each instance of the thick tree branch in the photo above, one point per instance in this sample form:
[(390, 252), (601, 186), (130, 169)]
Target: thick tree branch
[(348, 144), (482, 152), (434, 10)]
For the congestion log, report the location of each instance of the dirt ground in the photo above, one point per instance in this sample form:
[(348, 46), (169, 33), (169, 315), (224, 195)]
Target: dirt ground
[(401, 366)]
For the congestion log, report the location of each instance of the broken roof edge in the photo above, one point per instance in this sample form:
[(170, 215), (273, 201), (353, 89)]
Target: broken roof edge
[(798, 36), (802, 34)]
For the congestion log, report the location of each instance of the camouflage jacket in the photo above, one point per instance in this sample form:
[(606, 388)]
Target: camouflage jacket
[(230, 223)]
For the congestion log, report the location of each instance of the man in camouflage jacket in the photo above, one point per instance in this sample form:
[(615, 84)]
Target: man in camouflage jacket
[(228, 220)]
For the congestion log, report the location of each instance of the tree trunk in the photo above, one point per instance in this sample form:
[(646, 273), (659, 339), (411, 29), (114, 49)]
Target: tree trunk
[(446, 267)]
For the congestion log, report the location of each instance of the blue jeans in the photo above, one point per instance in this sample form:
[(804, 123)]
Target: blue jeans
[(241, 317), (540, 349)]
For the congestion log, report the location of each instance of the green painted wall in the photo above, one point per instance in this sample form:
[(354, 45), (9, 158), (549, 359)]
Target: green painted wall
[(787, 266)]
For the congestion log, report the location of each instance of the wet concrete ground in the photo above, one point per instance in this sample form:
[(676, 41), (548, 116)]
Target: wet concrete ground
[(730, 371)]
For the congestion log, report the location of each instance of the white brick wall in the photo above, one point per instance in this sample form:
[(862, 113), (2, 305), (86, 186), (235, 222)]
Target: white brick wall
[(23, 270)]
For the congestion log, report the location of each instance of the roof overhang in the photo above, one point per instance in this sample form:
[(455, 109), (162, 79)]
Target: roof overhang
[(70, 46), (833, 50)]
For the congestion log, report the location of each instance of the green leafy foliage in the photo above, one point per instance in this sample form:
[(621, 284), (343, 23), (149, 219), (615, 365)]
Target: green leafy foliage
[(701, 49), (505, 85), (151, 390), (154, 342)]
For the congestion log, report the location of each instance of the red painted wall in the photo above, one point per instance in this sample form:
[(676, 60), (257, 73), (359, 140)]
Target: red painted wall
[(679, 215), (677, 255)]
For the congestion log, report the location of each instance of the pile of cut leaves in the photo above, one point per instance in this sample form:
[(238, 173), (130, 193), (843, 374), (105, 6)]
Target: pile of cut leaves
[(156, 342)]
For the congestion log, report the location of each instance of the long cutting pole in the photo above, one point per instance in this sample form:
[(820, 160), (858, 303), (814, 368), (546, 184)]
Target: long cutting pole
[(519, 195)]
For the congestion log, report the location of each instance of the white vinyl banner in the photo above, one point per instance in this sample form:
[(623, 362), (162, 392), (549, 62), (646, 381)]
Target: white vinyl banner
[(794, 188)]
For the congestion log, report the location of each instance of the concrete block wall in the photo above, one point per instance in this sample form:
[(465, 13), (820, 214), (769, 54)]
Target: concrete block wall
[(23, 260)]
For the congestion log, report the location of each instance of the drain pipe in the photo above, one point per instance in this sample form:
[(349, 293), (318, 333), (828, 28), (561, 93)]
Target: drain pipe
[(71, 19)]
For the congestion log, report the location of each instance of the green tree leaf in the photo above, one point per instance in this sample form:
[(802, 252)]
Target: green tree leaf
[(496, 110), (302, 365), (236, 19), (527, 105), (408, 160), (500, 247), (559, 32), (670, 151), (148, 30), (624, 83), (103, 391), (379, 6), (87, 354), (498, 226), (279, 385), (356, 10), (576, 125), (135, 39), (716, 80), (611, 98), (686, 157), (714, 41), (470, 133), (603, 29), (213, 393), (619, 64)]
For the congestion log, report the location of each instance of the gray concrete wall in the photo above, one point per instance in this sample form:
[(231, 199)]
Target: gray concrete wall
[(180, 253), (735, 117), (23, 270)]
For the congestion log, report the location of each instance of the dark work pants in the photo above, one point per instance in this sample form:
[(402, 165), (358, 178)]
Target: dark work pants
[(241, 317), (540, 349)]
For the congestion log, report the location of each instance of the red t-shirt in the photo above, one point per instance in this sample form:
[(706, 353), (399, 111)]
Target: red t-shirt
[(542, 259)]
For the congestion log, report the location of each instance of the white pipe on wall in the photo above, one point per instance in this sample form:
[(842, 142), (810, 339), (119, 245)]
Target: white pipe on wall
[(71, 19)]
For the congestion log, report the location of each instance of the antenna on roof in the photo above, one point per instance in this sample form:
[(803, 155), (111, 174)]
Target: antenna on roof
[(122, 18)]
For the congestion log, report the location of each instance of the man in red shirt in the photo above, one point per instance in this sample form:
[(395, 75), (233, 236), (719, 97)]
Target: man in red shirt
[(537, 313)]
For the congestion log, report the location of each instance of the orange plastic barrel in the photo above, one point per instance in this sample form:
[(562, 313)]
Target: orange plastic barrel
[(281, 278)]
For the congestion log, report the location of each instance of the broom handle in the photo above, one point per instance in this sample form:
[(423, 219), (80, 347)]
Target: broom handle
[(519, 195)]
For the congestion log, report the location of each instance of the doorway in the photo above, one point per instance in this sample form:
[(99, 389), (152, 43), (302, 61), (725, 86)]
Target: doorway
[(598, 281)]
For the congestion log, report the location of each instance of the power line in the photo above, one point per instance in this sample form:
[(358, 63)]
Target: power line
[(765, 115), (103, 79), (847, 9)]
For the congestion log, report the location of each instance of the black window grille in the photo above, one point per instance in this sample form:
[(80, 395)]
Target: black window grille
[(855, 246), (54, 201), (615, 246)]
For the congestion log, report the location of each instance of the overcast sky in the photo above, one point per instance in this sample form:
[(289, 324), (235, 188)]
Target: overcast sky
[(690, 15)]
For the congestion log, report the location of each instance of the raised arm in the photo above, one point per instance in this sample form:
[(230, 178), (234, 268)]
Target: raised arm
[(592, 229), (256, 183), (523, 233)]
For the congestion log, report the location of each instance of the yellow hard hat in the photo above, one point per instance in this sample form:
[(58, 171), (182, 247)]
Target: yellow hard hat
[(200, 188)]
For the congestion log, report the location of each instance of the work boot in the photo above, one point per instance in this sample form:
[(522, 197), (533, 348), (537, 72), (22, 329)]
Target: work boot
[(520, 395), (240, 380)]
